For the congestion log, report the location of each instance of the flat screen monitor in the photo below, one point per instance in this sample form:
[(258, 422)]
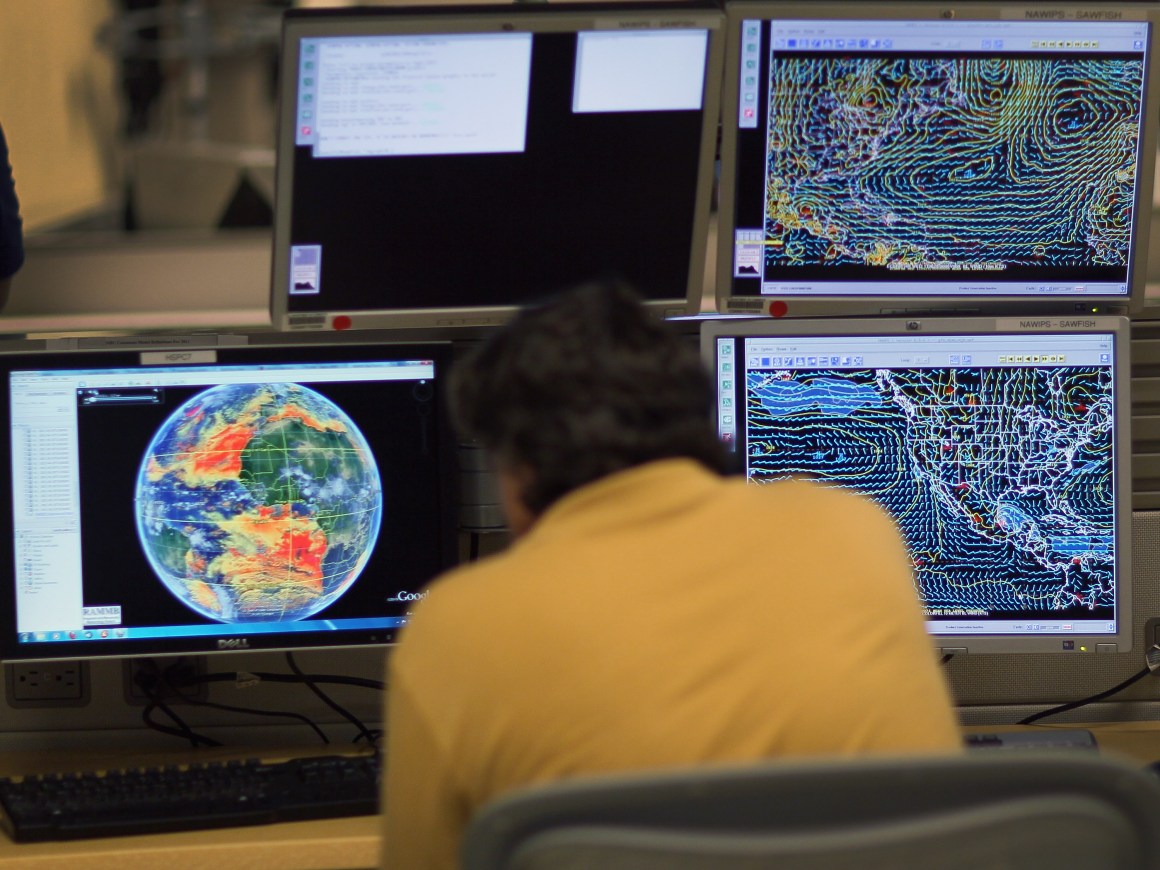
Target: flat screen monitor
[(199, 499), (999, 446), (441, 166), (903, 157)]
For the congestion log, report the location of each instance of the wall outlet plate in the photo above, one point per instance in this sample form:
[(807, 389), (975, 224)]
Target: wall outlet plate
[(47, 684), (1152, 631), (171, 680)]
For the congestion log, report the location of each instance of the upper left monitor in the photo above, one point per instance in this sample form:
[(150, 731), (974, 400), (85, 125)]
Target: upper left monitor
[(442, 166)]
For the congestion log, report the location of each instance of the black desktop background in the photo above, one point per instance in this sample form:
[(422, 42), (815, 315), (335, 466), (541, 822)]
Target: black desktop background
[(400, 423), (592, 195)]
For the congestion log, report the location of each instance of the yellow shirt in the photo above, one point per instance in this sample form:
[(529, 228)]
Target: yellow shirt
[(662, 616)]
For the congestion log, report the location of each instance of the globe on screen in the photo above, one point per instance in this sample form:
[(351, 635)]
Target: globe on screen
[(258, 502)]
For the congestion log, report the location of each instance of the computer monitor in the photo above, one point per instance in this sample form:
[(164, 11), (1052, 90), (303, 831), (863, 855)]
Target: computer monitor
[(441, 166), (905, 157), (1000, 447), (199, 498)]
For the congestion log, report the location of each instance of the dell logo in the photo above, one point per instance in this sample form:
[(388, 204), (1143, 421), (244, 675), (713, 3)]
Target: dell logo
[(407, 596), (233, 643)]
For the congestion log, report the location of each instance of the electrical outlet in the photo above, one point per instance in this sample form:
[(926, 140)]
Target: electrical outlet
[(1152, 631), (172, 680), (47, 684)]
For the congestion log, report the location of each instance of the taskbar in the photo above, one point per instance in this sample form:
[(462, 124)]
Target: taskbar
[(1007, 627), (116, 632)]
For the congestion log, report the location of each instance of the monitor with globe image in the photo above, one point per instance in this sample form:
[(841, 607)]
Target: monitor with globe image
[(272, 497)]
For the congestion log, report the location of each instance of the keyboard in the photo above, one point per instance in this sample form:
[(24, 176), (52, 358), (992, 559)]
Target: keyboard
[(215, 794), (1037, 739)]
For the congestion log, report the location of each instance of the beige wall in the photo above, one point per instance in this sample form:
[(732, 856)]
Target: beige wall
[(58, 106)]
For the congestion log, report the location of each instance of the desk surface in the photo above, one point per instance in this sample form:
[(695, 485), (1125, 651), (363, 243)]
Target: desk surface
[(314, 845)]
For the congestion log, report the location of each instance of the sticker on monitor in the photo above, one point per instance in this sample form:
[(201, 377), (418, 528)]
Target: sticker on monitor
[(305, 270)]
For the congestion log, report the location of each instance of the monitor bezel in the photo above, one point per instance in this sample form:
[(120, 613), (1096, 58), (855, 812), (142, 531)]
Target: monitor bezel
[(903, 305), (568, 17), (131, 352), (1118, 327)]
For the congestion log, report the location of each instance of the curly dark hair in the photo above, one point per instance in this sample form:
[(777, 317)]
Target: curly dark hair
[(584, 385)]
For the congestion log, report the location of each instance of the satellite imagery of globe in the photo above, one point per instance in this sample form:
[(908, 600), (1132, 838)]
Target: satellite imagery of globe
[(258, 502)]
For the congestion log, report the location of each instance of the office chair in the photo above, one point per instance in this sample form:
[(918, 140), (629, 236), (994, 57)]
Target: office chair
[(983, 811)]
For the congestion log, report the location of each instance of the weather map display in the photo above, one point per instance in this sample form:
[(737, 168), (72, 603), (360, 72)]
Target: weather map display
[(258, 502), (914, 164), (268, 498), (934, 158), (995, 455)]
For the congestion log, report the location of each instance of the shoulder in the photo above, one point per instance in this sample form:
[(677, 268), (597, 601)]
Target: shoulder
[(813, 514), (457, 589), (11, 233), (805, 498), (454, 606)]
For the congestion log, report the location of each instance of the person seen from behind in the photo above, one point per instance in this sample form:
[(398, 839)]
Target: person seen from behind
[(652, 611)]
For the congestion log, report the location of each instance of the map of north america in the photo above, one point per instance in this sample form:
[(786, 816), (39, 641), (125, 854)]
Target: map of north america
[(1000, 479)]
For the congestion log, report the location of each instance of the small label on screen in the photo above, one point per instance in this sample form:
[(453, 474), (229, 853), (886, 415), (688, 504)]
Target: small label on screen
[(177, 357), (305, 270)]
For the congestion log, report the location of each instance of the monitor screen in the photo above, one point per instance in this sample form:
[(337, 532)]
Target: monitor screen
[(1000, 447), (194, 500), (899, 157), (444, 165)]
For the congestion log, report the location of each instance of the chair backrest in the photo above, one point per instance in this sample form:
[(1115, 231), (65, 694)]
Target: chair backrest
[(980, 811)]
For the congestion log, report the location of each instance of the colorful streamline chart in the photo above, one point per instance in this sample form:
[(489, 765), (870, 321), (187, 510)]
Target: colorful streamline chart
[(1000, 479), (940, 155), (929, 164), (258, 502)]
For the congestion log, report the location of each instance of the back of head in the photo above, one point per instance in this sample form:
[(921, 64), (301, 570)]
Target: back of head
[(582, 386)]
